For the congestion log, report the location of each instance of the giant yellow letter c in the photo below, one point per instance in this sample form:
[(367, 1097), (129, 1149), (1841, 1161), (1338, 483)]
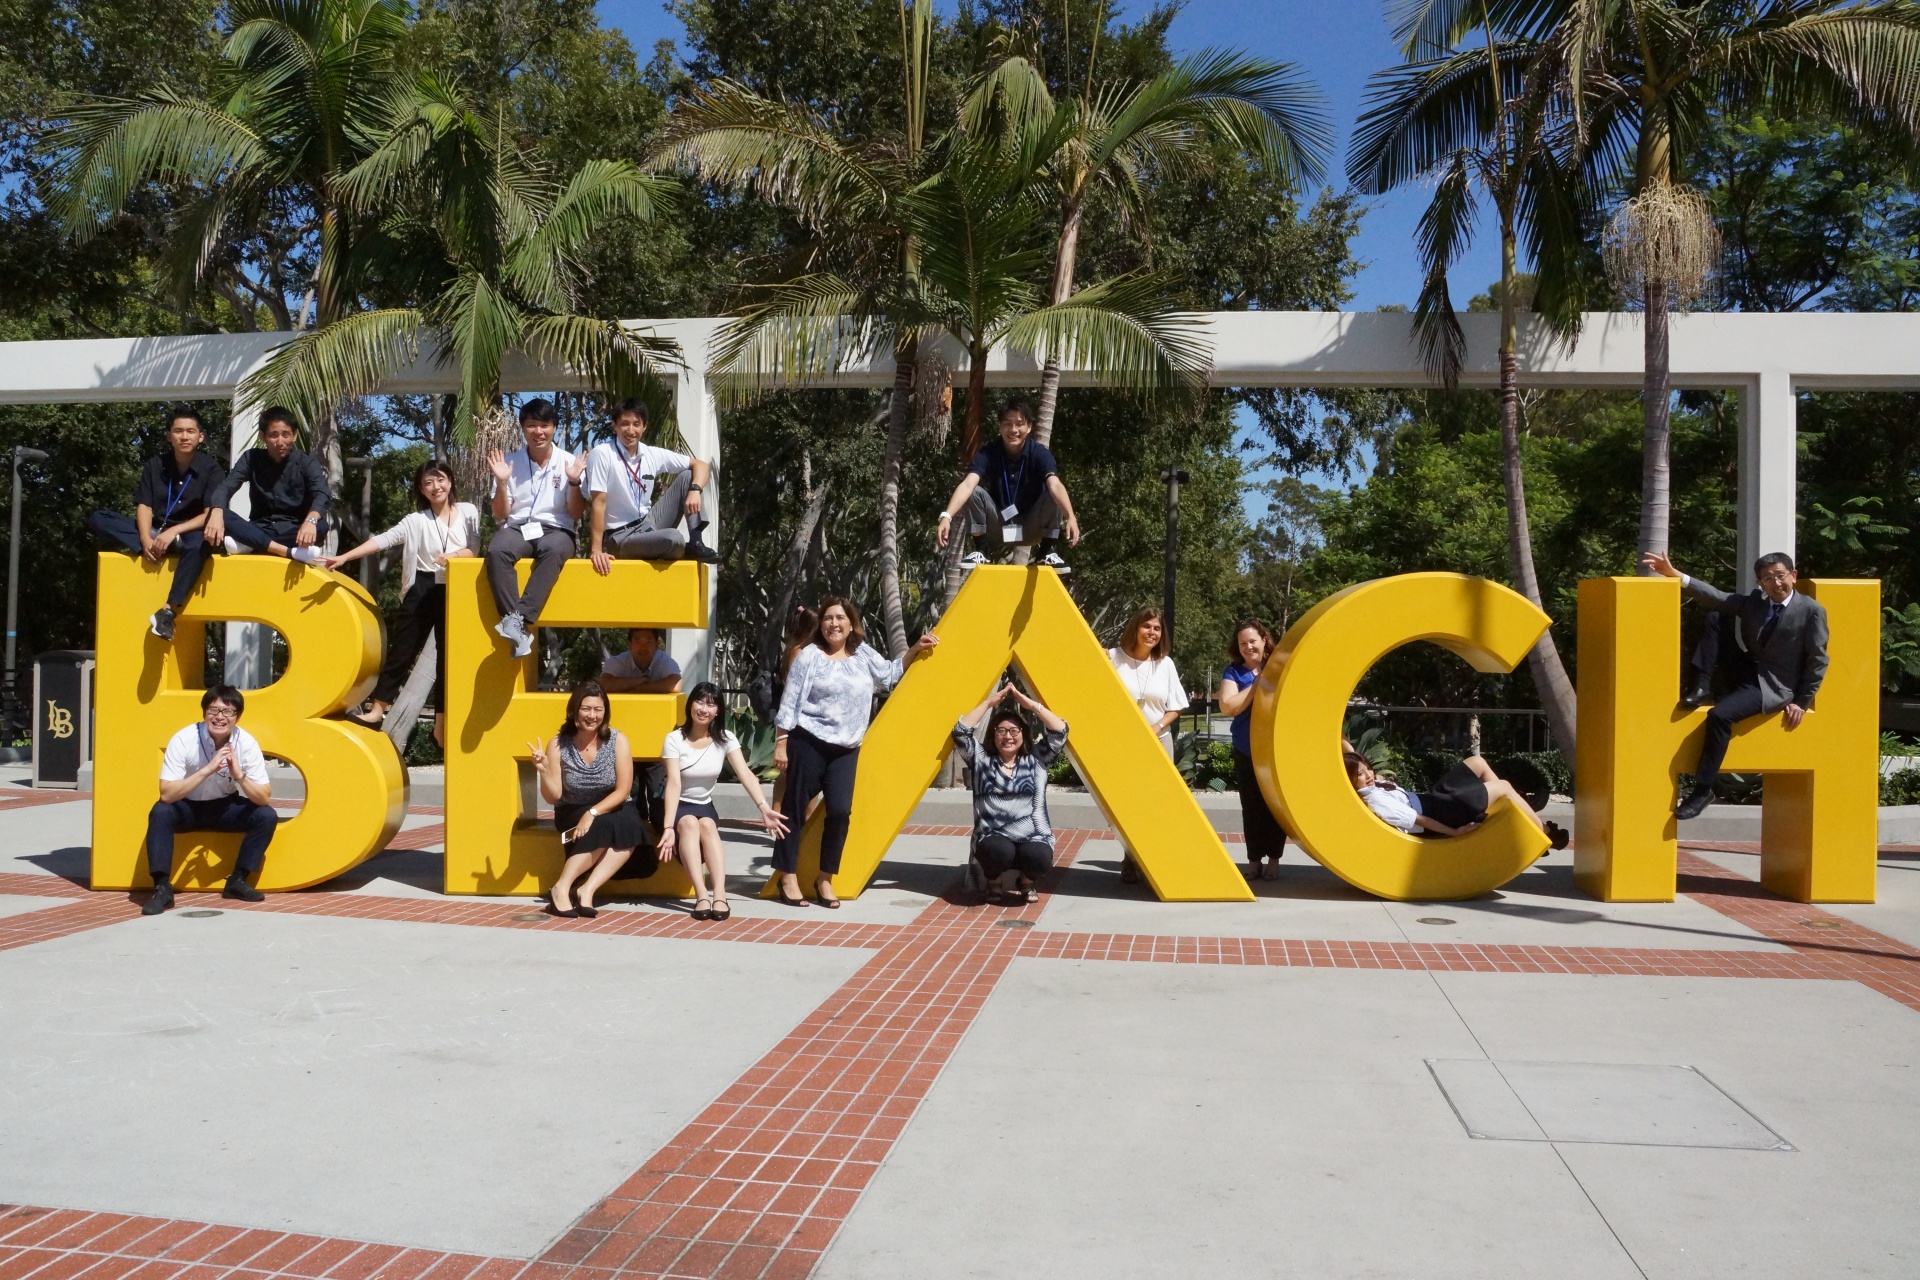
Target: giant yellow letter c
[(1301, 702)]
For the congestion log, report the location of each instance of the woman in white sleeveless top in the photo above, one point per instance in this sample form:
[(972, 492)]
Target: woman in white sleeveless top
[(695, 754)]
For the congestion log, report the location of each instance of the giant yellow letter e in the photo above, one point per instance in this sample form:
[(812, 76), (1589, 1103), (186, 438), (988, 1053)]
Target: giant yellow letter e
[(1819, 819), (493, 712), (148, 689), (1301, 702)]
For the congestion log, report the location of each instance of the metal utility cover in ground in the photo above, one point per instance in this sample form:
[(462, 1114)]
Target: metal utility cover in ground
[(1621, 1103)]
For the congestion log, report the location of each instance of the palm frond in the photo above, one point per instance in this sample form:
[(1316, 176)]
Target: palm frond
[(1444, 233), (1267, 109), (106, 148), (619, 362), (1121, 331), (351, 357), (1008, 98), (798, 331)]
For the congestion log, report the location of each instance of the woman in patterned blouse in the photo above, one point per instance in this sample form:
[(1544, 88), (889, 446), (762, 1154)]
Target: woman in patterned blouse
[(1010, 827)]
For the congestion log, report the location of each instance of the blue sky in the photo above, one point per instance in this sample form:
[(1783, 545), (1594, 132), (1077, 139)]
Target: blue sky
[(1338, 43)]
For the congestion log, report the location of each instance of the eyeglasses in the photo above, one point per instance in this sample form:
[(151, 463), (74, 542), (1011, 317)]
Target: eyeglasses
[(220, 713), (1008, 728)]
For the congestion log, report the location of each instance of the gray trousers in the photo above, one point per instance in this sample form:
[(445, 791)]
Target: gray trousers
[(1041, 520), (656, 535), (550, 554)]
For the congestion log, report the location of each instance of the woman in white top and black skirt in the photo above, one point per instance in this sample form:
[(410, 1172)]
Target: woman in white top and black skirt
[(586, 774), (1143, 666), (694, 755), (441, 530), (823, 714)]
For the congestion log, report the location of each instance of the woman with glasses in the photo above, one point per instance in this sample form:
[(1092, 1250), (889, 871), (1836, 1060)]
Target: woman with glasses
[(695, 755), (1010, 827)]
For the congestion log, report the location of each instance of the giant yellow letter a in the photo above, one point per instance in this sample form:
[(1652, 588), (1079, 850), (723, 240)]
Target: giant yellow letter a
[(1818, 836), (493, 712), (1302, 699), (148, 689), (1026, 615)]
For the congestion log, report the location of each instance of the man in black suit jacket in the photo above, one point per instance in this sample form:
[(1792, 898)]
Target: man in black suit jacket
[(1786, 634)]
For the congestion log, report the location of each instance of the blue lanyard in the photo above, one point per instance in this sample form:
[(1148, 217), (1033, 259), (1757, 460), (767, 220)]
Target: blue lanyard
[(1011, 491), (175, 499)]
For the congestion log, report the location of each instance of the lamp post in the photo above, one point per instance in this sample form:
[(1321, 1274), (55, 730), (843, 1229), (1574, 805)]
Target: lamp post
[(20, 454), (1174, 478)]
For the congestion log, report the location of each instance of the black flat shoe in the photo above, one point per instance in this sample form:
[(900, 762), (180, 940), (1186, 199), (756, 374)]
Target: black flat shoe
[(1558, 835), (702, 913), (569, 913), (362, 721), (584, 912), (721, 911)]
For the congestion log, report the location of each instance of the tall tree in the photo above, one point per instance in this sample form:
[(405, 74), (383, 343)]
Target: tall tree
[(1494, 117), (1113, 132)]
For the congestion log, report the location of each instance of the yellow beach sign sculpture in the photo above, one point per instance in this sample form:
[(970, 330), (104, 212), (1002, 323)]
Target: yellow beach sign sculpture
[(1820, 812)]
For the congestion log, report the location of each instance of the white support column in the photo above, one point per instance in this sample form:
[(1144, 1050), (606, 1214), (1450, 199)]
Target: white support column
[(1768, 502), (699, 423), (249, 660)]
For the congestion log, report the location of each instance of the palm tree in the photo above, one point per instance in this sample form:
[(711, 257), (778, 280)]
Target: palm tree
[(843, 190), (1114, 132), (1492, 117), (487, 244), (1646, 75), (297, 102)]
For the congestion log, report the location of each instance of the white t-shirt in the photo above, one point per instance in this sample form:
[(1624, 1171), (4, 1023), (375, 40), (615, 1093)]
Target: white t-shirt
[(1154, 685), (1393, 805), (621, 666), (190, 749), (426, 537), (537, 496), (700, 767), (628, 478)]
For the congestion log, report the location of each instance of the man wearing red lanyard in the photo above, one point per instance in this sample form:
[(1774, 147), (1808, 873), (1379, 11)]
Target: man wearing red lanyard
[(629, 523), (1012, 493), (170, 510), (536, 499)]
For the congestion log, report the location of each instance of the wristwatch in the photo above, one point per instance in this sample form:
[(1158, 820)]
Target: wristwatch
[(694, 488)]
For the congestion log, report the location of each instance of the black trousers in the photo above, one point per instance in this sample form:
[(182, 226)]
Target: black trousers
[(814, 767), (1719, 653), (1737, 705), (1266, 838), (997, 855), (256, 535), (549, 555), (423, 613), (189, 548), (229, 813)]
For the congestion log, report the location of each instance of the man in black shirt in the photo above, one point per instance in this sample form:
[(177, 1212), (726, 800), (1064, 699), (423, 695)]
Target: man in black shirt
[(287, 495), (170, 512), (1012, 493)]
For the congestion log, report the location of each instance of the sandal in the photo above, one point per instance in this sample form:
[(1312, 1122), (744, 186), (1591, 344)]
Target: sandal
[(1032, 893), (722, 910), (824, 882), (703, 912), (363, 721)]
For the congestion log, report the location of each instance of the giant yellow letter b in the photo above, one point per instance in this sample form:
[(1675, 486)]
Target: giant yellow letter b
[(1819, 819), (147, 689)]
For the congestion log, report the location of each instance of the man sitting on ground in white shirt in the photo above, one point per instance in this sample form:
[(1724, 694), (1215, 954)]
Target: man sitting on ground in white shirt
[(645, 667), (629, 523), (536, 499), (212, 778)]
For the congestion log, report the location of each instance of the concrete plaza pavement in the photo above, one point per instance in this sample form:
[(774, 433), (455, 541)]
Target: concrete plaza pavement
[(373, 1080)]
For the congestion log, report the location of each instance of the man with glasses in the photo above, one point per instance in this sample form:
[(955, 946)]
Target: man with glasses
[(212, 778)]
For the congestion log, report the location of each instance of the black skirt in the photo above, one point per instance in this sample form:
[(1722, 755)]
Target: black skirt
[(1458, 799), (621, 829)]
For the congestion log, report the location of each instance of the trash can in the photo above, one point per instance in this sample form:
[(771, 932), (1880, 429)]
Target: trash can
[(62, 716)]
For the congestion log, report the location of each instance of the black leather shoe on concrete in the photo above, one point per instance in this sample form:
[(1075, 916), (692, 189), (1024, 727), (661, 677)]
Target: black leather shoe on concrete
[(158, 901)]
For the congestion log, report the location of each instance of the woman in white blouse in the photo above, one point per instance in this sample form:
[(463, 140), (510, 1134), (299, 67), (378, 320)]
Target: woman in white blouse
[(440, 531), (695, 754), (1143, 666), (823, 714)]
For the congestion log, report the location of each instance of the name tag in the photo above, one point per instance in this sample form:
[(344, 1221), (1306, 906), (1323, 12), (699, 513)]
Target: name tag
[(1010, 512), (1011, 533)]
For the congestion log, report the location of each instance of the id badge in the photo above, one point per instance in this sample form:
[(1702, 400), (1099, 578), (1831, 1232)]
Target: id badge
[(1011, 533), (1010, 512), (533, 531)]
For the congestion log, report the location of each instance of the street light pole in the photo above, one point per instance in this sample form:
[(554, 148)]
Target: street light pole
[(20, 454), (1174, 478)]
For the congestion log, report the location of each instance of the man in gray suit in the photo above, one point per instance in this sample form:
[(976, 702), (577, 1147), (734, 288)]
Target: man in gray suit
[(1785, 632)]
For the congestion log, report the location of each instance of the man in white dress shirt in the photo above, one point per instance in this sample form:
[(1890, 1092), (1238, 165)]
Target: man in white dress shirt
[(536, 499), (629, 523), (212, 778), (645, 667)]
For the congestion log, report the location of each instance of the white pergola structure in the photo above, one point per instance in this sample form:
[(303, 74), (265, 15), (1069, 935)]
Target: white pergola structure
[(1767, 359)]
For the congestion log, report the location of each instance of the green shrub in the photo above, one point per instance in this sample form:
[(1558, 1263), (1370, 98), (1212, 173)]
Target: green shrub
[(421, 748), (1901, 788)]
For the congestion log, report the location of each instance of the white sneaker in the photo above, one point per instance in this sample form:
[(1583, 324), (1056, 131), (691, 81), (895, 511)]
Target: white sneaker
[(307, 555), (1052, 561), (973, 560), (231, 547), (523, 643)]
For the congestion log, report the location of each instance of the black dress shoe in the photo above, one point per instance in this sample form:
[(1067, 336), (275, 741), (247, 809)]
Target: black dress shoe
[(1694, 805), (1557, 836), (702, 552), (158, 901), (1699, 693), (238, 889)]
